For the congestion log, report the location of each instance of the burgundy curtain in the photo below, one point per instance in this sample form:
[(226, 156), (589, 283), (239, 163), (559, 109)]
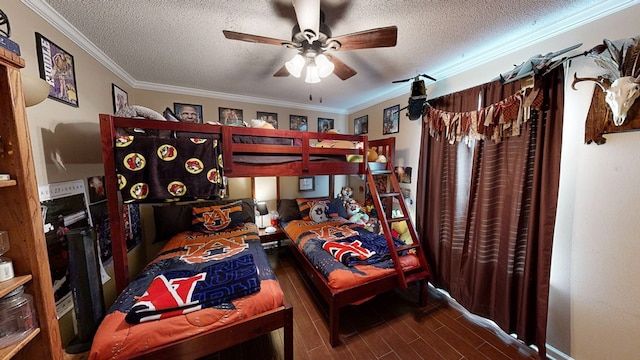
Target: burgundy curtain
[(486, 211)]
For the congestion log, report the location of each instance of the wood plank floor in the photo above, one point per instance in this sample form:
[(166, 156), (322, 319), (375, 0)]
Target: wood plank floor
[(390, 326)]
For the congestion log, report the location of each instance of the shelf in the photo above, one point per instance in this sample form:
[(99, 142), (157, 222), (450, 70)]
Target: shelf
[(12, 284), (7, 183), (11, 350), (24, 222)]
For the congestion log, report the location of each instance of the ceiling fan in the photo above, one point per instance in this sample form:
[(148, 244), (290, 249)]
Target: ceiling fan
[(312, 38)]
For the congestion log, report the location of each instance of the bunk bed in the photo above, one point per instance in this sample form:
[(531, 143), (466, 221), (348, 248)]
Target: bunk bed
[(131, 145), (250, 152)]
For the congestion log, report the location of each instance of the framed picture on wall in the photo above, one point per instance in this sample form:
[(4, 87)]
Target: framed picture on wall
[(58, 69), (229, 116), (271, 118), (403, 174), (306, 183), (324, 125), (120, 98), (298, 122), (361, 125), (188, 112), (391, 120)]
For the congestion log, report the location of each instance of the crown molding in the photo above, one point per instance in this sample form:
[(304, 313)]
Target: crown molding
[(481, 57), (509, 45)]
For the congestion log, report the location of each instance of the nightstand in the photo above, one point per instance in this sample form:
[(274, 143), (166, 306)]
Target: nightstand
[(274, 236)]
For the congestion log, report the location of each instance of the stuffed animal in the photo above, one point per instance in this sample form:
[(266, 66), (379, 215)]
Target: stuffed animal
[(356, 214), (345, 195)]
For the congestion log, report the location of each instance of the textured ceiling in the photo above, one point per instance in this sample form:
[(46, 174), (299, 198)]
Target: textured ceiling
[(155, 43)]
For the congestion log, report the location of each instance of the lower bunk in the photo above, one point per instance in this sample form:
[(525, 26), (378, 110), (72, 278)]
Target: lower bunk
[(202, 293), (341, 274)]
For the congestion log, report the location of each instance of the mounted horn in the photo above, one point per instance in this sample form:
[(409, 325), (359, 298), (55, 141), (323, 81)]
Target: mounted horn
[(600, 81)]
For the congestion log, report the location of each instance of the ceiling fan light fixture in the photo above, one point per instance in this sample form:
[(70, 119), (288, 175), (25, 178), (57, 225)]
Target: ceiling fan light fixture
[(325, 66), (295, 65), (312, 74)]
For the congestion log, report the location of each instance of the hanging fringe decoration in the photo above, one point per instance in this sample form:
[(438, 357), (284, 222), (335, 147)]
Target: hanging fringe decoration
[(494, 122)]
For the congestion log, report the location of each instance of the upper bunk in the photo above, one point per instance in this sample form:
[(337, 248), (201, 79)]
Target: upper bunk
[(252, 152)]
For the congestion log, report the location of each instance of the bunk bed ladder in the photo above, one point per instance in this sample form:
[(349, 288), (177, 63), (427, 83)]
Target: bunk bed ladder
[(392, 191)]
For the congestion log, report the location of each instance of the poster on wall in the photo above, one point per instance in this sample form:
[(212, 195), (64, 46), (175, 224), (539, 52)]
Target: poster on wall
[(403, 173), (57, 67), (64, 207)]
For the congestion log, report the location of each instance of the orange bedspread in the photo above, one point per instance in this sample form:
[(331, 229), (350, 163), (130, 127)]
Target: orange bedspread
[(309, 237), (117, 339)]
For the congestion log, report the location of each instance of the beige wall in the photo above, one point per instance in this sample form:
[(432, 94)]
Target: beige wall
[(66, 140), (594, 312)]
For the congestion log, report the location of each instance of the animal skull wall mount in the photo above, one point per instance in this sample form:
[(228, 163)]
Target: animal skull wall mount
[(621, 81)]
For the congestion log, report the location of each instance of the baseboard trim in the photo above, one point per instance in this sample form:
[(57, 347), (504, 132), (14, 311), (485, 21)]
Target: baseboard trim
[(555, 354), (552, 352)]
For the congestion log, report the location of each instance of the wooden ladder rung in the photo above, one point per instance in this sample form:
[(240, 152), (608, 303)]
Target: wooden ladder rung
[(386, 195), (407, 247), (397, 219), (381, 172)]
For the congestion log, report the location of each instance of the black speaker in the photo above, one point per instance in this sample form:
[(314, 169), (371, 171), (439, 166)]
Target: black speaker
[(86, 287)]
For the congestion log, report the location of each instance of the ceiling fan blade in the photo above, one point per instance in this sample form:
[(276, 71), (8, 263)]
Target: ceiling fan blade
[(308, 15), (373, 38), (399, 81), (282, 72), (232, 35), (342, 70)]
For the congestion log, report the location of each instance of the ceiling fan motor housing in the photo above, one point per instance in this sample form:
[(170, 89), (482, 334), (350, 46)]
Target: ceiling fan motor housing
[(300, 37)]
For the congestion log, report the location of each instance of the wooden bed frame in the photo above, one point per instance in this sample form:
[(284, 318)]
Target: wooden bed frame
[(109, 124), (337, 299), (247, 329)]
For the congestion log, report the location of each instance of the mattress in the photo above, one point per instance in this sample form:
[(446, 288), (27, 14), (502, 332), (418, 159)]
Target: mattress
[(118, 338), (312, 238)]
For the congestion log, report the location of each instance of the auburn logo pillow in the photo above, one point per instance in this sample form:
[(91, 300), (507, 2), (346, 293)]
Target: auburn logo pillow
[(211, 219), (305, 205)]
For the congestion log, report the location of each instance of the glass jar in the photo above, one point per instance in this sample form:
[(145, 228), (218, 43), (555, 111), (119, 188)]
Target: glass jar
[(17, 317), (275, 218)]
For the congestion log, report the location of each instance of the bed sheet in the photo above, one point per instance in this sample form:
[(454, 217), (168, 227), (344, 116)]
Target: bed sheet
[(310, 237), (117, 339)]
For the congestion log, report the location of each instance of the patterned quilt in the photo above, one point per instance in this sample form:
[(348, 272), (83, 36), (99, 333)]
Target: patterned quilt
[(153, 169), (197, 283), (345, 253)]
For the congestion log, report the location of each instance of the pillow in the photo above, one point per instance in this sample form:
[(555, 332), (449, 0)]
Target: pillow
[(173, 219), (216, 218), (336, 209), (304, 205), (137, 111), (288, 210), (319, 212), (255, 123)]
